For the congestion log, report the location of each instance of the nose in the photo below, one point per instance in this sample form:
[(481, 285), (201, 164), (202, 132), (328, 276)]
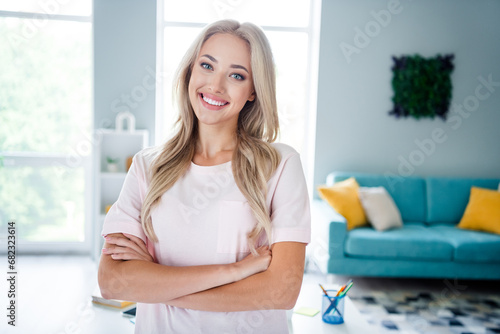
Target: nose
[(216, 84)]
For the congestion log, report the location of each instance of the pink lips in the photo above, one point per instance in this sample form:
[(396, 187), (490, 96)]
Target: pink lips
[(213, 98)]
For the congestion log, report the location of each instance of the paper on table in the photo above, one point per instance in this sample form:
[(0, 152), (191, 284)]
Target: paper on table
[(309, 311)]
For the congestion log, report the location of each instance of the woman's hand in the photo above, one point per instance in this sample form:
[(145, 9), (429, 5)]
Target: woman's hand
[(252, 264), (128, 248)]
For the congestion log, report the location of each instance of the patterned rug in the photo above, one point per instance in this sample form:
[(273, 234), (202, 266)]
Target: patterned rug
[(400, 312)]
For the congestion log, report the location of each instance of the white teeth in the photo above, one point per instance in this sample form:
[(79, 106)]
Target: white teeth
[(213, 102)]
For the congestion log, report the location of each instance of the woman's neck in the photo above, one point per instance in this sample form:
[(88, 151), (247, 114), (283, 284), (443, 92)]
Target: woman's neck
[(214, 146)]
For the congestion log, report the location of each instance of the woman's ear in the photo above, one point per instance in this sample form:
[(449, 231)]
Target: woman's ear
[(251, 97)]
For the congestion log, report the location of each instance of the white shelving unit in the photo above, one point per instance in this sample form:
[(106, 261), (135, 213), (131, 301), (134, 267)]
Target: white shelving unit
[(117, 145)]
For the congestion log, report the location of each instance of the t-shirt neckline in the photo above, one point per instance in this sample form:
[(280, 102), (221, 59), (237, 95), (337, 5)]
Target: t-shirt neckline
[(210, 169)]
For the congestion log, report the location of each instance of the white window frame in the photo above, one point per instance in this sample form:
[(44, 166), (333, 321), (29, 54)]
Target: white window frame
[(36, 159)]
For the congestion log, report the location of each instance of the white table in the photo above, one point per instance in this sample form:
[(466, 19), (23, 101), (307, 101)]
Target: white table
[(310, 296), (105, 318)]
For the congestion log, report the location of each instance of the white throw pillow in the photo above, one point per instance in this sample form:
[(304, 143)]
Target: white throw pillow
[(380, 208)]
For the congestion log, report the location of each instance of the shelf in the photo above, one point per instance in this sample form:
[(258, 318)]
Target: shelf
[(108, 175), (113, 132), (117, 145)]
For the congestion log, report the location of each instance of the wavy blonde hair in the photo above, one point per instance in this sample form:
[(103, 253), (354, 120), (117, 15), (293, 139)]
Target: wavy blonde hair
[(254, 160)]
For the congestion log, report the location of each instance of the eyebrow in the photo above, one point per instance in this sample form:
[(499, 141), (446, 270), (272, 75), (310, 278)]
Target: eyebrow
[(232, 66)]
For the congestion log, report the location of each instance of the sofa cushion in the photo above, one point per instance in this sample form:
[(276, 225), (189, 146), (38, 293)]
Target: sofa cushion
[(380, 209), (448, 197), (343, 197), (483, 211), (407, 192), (411, 242), (471, 246)]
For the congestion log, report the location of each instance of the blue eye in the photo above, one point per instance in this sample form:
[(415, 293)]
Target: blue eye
[(206, 66), (237, 76)]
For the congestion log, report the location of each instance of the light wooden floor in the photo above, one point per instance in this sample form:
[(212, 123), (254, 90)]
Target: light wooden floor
[(54, 294)]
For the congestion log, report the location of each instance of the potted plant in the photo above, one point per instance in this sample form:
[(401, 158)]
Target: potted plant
[(112, 164)]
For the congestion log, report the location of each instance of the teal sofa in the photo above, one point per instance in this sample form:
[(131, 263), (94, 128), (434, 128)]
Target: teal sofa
[(429, 245)]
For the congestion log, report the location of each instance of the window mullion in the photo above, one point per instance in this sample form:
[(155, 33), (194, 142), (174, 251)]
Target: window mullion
[(41, 160), (40, 16)]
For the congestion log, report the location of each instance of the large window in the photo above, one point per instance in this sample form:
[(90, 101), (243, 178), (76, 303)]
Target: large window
[(45, 122), (292, 29)]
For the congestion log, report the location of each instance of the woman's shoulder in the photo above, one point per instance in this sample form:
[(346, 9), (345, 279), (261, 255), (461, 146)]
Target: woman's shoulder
[(290, 163), (146, 156), (286, 151)]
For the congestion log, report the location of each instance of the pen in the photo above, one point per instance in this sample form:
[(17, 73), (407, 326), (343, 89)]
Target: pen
[(344, 292), (324, 291), (343, 287)]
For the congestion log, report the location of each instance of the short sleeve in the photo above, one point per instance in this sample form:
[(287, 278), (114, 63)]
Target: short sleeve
[(124, 215), (290, 208)]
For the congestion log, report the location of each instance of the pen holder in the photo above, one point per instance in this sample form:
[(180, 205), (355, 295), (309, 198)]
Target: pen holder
[(332, 309)]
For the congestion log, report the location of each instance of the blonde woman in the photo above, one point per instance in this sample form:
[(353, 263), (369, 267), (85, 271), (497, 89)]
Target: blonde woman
[(209, 232)]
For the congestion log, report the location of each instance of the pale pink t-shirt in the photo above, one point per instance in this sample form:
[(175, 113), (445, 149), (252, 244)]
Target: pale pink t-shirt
[(204, 219)]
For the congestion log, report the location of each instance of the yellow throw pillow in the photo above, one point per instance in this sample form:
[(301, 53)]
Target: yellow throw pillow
[(343, 197), (483, 211)]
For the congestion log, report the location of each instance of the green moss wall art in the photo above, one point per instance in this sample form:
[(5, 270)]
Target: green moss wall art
[(422, 86)]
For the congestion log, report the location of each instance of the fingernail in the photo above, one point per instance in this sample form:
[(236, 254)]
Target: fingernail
[(104, 250)]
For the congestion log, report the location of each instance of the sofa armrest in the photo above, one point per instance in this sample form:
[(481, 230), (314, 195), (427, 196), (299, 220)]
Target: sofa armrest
[(328, 232), (338, 233)]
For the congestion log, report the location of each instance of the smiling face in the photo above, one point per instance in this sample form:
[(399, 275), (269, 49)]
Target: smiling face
[(221, 80)]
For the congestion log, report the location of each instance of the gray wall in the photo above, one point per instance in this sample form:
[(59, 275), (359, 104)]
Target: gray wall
[(125, 61), (354, 131)]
